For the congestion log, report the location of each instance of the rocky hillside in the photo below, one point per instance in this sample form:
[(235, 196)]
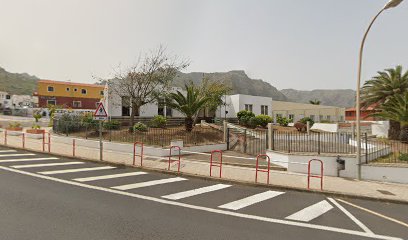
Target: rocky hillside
[(238, 80), (336, 97), (17, 83)]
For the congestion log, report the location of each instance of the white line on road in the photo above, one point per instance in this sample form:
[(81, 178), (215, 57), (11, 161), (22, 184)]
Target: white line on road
[(374, 213), (17, 155), (46, 165), (6, 151), (149, 183), (194, 192), (206, 209), (88, 179), (27, 159), (75, 170), (354, 219), (309, 213), (245, 202)]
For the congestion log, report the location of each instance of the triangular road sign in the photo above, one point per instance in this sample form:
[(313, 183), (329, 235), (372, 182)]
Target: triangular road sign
[(100, 111)]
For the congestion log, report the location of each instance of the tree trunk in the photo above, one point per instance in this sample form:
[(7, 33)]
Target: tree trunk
[(188, 121), (394, 131), (135, 112)]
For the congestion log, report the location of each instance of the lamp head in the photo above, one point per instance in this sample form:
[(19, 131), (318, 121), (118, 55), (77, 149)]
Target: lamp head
[(392, 4)]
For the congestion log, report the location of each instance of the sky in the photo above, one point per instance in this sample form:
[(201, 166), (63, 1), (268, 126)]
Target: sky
[(301, 44)]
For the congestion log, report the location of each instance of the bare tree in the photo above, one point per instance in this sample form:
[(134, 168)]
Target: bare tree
[(147, 80)]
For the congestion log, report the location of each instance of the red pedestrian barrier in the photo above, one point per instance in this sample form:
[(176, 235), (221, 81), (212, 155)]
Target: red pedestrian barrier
[(138, 155), (262, 170), (177, 160), (217, 164), (73, 147), (47, 143), (310, 175)]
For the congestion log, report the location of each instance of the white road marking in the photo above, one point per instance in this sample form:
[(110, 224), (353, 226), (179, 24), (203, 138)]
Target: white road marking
[(194, 192), (6, 151), (149, 183), (311, 212), (205, 209), (354, 219), (17, 155), (27, 159), (375, 213), (46, 164), (245, 202), (75, 170), (88, 179)]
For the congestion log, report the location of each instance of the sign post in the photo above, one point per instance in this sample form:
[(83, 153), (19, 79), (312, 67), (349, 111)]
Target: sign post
[(100, 115)]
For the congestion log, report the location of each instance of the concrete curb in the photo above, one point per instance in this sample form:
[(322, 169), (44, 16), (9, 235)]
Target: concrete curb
[(231, 181)]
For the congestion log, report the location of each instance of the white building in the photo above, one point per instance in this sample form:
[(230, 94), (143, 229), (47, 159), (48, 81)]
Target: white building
[(235, 103), (119, 106), (20, 101), (5, 99)]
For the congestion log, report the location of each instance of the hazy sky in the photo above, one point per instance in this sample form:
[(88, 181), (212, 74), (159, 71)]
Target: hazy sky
[(302, 44)]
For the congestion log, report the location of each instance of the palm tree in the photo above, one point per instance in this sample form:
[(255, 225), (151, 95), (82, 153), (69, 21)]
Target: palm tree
[(382, 88), (315, 102), (396, 109), (189, 104)]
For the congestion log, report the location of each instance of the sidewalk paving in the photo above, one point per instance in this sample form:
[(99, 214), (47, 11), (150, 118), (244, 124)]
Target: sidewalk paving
[(195, 165)]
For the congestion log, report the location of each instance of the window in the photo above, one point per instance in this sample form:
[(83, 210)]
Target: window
[(125, 106), (75, 89), (264, 109), (248, 107), (68, 89), (278, 115), (291, 116), (76, 104), (320, 117), (101, 93), (83, 91), (8, 96), (50, 89), (51, 102), (312, 117), (341, 118), (328, 117)]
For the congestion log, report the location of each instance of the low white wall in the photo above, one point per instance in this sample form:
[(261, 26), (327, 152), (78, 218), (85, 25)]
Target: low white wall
[(385, 173), (327, 127), (299, 163), (380, 128)]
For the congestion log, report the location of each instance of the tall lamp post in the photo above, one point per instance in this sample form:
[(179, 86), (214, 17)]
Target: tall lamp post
[(390, 4)]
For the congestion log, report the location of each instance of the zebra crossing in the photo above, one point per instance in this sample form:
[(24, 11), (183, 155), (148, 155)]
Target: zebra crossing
[(132, 181)]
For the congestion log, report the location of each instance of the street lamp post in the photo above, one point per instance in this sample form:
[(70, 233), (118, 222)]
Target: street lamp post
[(390, 4)]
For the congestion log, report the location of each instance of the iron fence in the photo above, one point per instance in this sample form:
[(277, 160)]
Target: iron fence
[(249, 141), (151, 136)]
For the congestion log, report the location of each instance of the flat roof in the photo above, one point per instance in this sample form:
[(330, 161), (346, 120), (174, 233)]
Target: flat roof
[(70, 83)]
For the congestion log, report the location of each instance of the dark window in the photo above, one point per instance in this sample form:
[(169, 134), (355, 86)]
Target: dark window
[(101, 93), (8, 96), (76, 104), (50, 89), (68, 89), (51, 102), (125, 106), (75, 89), (83, 91)]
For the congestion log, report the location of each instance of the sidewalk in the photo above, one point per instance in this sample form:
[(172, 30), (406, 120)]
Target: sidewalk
[(196, 165)]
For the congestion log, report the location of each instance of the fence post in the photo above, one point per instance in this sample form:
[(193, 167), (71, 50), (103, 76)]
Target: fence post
[(245, 141), (5, 137), (366, 147), (273, 139), (73, 147), (225, 128), (228, 138), (270, 130), (289, 139), (318, 143), (110, 135), (23, 139)]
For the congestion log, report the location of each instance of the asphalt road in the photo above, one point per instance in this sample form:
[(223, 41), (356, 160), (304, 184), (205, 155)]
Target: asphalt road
[(74, 199)]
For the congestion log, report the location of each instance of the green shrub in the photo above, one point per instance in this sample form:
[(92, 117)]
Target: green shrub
[(253, 122), (140, 127), (36, 126), (37, 116), (14, 125), (263, 120), (88, 121), (325, 121), (68, 123), (111, 125), (403, 157), (307, 119), (244, 117), (158, 121), (283, 121)]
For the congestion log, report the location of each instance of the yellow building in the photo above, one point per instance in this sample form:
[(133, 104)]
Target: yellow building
[(68, 94)]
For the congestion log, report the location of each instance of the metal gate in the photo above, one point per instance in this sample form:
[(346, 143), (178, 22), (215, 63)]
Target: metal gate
[(247, 141)]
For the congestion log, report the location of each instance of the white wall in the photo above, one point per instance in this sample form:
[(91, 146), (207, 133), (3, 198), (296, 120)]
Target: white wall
[(327, 127), (385, 173), (380, 128), (236, 103)]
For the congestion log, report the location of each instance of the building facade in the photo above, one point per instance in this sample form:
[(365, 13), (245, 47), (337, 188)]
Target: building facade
[(68, 94), (297, 111), (365, 113), (238, 102)]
